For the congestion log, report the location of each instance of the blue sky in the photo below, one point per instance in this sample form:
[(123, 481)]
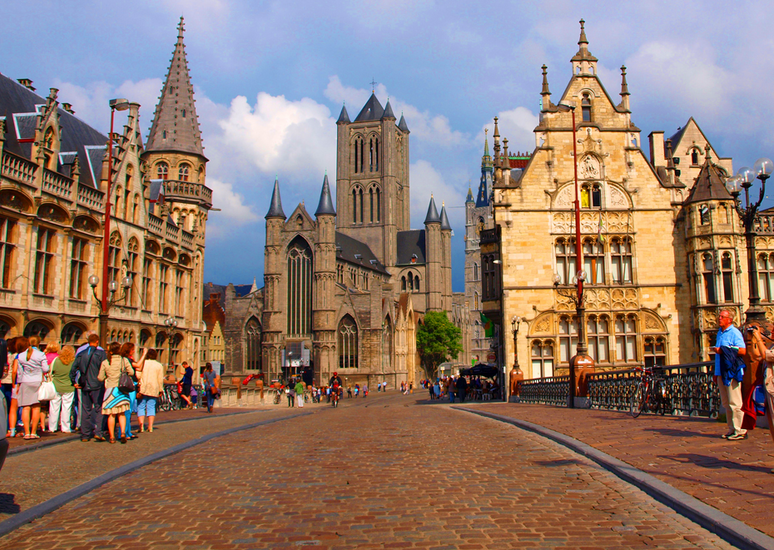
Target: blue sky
[(270, 79)]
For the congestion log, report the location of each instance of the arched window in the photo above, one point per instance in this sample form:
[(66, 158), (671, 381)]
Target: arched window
[(726, 273), (36, 328), (347, 336), (253, 344), (71, 334), (586, 108), (114, 258), (299, 274), (387, 345), (357, 204), (694, 157), (403, 283), (371, 204), (373, 154), (416, 283), (475, 301), (766, 276), (162, 171), (542, 359), (183, 172), (476, 271), (704, 214), (708, 276), (359, 150)]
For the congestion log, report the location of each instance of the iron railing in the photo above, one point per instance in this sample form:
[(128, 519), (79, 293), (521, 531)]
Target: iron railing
[(691, 389)]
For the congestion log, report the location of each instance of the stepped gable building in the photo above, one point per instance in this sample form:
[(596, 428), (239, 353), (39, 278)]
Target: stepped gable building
[(344, 288), (52, 199), (663, 247)]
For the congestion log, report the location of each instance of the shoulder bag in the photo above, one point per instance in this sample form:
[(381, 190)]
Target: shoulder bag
[(125, 382), (47, 390)]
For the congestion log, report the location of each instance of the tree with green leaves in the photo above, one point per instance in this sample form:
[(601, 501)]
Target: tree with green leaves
[(438, 340)]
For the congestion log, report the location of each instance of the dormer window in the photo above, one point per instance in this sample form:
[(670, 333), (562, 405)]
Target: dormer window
[(586, 108), (695, 157)]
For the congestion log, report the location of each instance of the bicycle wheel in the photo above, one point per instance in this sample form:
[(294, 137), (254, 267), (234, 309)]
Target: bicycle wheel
[(637, 400)]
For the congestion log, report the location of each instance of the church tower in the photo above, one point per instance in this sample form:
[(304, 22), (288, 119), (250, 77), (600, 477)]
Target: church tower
[(174, 154), (372, 185)]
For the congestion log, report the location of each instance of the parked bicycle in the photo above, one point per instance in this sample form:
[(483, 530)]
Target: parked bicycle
[(650, 393), (170, 398)]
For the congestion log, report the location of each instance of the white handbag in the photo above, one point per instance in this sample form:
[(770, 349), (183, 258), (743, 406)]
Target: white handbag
[(47, 391)]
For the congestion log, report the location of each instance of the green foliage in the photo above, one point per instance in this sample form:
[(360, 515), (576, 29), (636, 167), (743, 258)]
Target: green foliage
[(438, 340)]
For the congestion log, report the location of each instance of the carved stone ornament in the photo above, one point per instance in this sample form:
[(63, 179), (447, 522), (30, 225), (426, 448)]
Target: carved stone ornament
[(588, 168), (651, 323), (564, 198), (543, 325), (618, 198), (562, 222)]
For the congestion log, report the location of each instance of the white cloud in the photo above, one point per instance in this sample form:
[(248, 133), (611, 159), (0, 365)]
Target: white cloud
[(234, 212), (517, 125), (426, 181), (423, 125)]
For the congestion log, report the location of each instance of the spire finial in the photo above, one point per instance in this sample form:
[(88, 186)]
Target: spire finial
[(373, 85), (624, 85), (180, 28), (545, 90), (583, 39), (496, 129), (707, 154)]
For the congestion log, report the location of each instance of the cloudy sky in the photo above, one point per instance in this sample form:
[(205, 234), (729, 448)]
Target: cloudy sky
[(271, 77)]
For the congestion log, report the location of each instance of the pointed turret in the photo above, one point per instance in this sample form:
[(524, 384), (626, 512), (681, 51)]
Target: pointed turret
[(326, 202), (343, 116), (583, 63), (254, 288), (710, 183), (624, 90), (372, 110), (175, 125), (402, 124), (445, 225), (275, 210), (432, 213), (388, 111), (545, 92), (469, 198)]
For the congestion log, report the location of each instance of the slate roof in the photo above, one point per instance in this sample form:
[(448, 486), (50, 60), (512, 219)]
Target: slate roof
[(402, 125), (355, 252), (326, 202), (275, 209), (411, 243), (76, 137), (372, 110), (432, 213), (444, 220), (709, 185), (388, 111), (175, 126), (343, 116)]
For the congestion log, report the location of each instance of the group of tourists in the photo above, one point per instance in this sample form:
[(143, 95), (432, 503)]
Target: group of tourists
[(91, 389), (459, 388)]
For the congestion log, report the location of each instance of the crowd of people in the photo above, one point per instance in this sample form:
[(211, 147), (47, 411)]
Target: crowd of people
[(460, 388), (95, 389)]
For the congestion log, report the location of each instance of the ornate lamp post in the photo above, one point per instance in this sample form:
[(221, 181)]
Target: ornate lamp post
[(743, 180), (106, 302), (515, 322), (171, 324), (581, 355)]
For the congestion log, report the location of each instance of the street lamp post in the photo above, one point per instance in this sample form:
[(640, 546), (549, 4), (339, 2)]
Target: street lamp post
[(515, 322), (171, 324), (107, 302), (744, 179), (581, 354)]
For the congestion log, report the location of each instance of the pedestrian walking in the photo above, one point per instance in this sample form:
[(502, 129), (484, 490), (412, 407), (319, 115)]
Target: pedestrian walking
[(86, 367), (729, 372), (299, 389), (462, 387), (115, 403), (151, 388), (9, 385), (290, 393), (60, 408), (186, 381), (211, 386)]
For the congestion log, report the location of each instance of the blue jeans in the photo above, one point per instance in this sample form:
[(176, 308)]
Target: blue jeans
[(210, 398), (146, 406), (132, 407)]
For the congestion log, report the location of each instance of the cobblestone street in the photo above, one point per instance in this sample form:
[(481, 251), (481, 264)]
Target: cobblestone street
[(382, 472)]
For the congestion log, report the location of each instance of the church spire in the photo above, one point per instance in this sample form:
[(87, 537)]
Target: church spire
[(175, 125), (325, 206), (583, 63), (275, 209)]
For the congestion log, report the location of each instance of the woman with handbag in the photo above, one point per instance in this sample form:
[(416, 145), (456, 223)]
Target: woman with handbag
[(127, 351), (116, 371), (60, 408), (151, 387), (32, 366), (210, 379)]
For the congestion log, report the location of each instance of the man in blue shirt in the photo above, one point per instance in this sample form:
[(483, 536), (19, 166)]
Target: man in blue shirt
[(731, 394)]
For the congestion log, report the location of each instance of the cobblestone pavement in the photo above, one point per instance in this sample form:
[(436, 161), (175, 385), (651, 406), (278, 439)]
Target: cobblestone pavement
[(382, 472), (687, 453)]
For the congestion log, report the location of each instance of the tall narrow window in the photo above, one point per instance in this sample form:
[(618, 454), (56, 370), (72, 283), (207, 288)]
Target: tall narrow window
[(184, 172), (179, 287), (599, 338), (704, 214), (586, 108), (378, 205), (44, 261), (542, 359), (114, 258), (162, 170), (594, 261), (621, 260), (78, 268), (132, 254), (357, 157), (147, 273), (708, 276), (694, 157), (371, 155), (7, 247), (565, 260), (727, 276), (371, 201), (347, 340), (766, 277), (568, 338), (354, 205), (360, 203), (416, 283), (626, 338), (163, 284), (299, 272), (387, 345), (253, 341)]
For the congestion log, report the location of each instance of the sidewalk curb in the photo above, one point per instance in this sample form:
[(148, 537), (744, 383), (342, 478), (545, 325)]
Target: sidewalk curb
[(58, 501), (726, 527)]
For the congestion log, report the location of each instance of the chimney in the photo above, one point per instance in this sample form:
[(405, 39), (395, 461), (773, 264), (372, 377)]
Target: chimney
[(657, 157), (27, 83)]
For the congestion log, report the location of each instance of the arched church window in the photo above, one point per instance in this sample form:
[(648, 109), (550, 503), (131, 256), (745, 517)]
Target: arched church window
[(416, 283), (586, 108), (253, 344), (708, 276), (387, 345), (373, 154), (371, 203), (183, 172), (403, 283), (347, 340), (299, 273), (694, 157), (162, 171), (727, 277)]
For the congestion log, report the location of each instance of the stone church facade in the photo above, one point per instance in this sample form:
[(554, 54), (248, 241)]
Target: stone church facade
[(663, 248), (346, 286)]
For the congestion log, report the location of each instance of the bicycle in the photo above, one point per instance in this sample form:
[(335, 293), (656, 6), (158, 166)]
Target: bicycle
[(650, 393), (278, 396)]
